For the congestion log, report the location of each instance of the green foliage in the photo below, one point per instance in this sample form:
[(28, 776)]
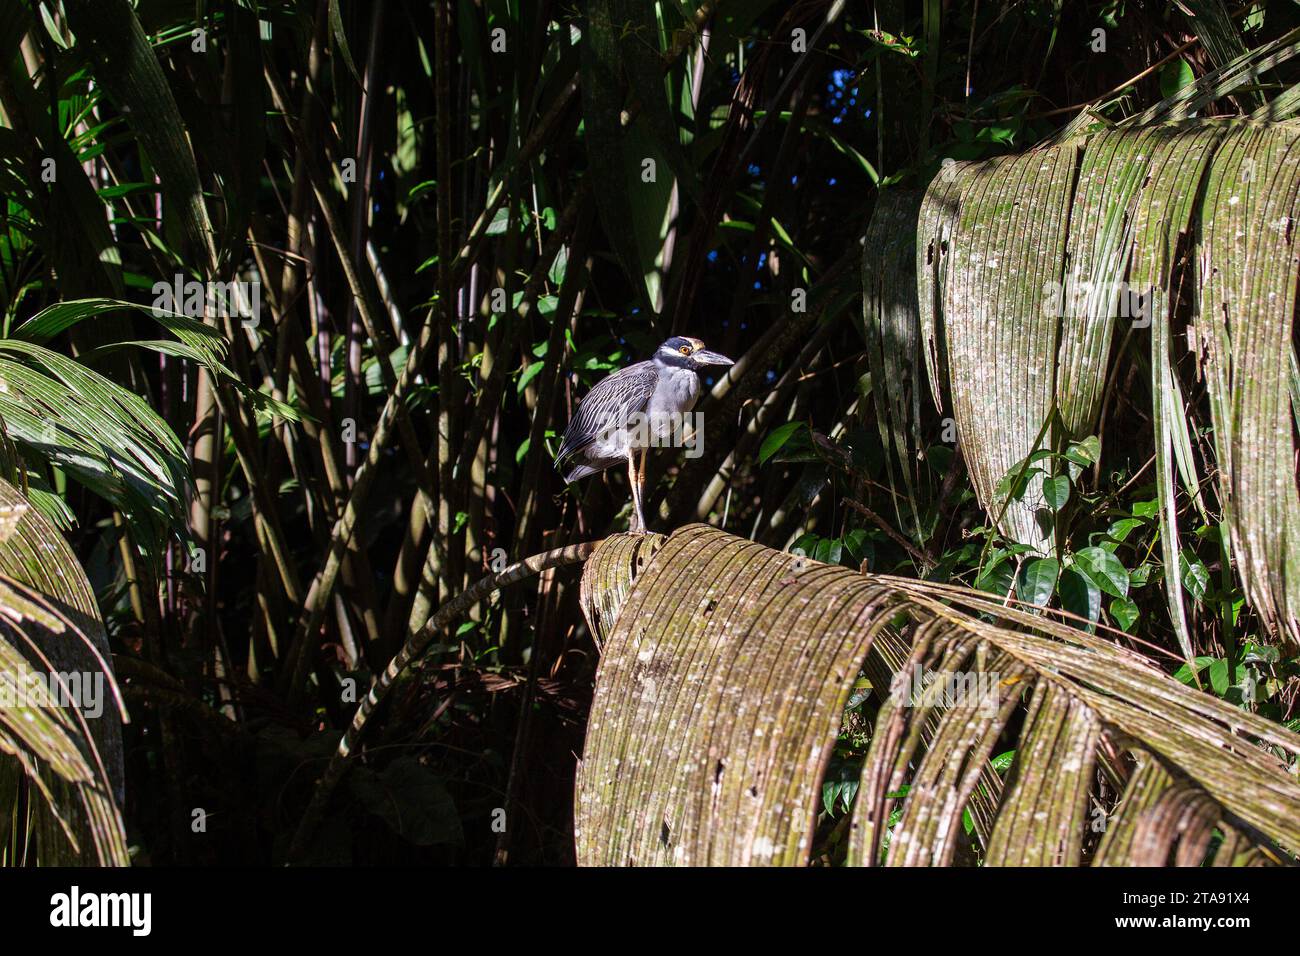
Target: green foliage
[(457, 218)]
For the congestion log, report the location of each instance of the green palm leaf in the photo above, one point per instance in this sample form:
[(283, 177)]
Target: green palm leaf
[(62, 412), (66, 753)]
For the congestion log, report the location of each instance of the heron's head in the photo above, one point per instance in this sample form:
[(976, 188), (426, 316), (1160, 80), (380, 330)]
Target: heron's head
[(682, 351)]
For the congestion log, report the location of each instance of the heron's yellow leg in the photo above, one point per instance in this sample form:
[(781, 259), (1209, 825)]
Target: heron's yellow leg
[(640, 487), (637, 524)]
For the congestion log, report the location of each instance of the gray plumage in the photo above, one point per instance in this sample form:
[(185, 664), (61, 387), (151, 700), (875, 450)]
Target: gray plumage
[(607, 409), (634, 409)]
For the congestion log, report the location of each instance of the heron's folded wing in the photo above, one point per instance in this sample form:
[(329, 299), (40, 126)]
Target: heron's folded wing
[(609, 405)]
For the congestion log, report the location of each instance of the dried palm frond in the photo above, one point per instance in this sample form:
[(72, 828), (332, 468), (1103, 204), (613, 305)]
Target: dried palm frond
[(1027, 267), (723, 681)]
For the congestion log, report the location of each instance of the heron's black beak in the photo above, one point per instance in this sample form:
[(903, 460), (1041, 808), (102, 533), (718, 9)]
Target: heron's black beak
[(705, 357)]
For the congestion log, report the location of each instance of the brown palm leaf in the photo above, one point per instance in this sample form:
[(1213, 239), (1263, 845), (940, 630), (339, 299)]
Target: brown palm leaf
[(723, 681)]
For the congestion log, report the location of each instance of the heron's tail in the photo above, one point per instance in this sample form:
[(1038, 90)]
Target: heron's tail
[(577, 471)]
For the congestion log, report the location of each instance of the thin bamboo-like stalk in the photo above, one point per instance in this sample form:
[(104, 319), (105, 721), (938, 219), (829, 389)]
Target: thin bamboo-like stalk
[(411, 651)]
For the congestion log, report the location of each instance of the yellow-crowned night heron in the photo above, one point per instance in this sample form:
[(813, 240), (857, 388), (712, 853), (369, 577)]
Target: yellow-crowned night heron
[(639, 407)]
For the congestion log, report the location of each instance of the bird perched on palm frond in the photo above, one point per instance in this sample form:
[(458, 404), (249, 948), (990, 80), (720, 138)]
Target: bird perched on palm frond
[(636, 408)]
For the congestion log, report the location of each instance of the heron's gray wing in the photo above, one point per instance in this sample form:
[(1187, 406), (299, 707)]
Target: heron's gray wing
[(610, 404)]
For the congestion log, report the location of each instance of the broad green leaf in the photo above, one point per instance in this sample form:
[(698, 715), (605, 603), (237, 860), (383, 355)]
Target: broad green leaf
[(1038, 580), (1125, 613), (776, 439), (1080, 594), (1195, 575), (1056, 491), (1082, 454), (1119, 530), (1219, 676), (1104, 569), (997, 577), (1184, 673), (531, 372), (1085, 452), (1174, 76)]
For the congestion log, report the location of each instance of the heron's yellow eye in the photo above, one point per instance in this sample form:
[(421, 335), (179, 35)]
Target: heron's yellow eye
[(686, 350)]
